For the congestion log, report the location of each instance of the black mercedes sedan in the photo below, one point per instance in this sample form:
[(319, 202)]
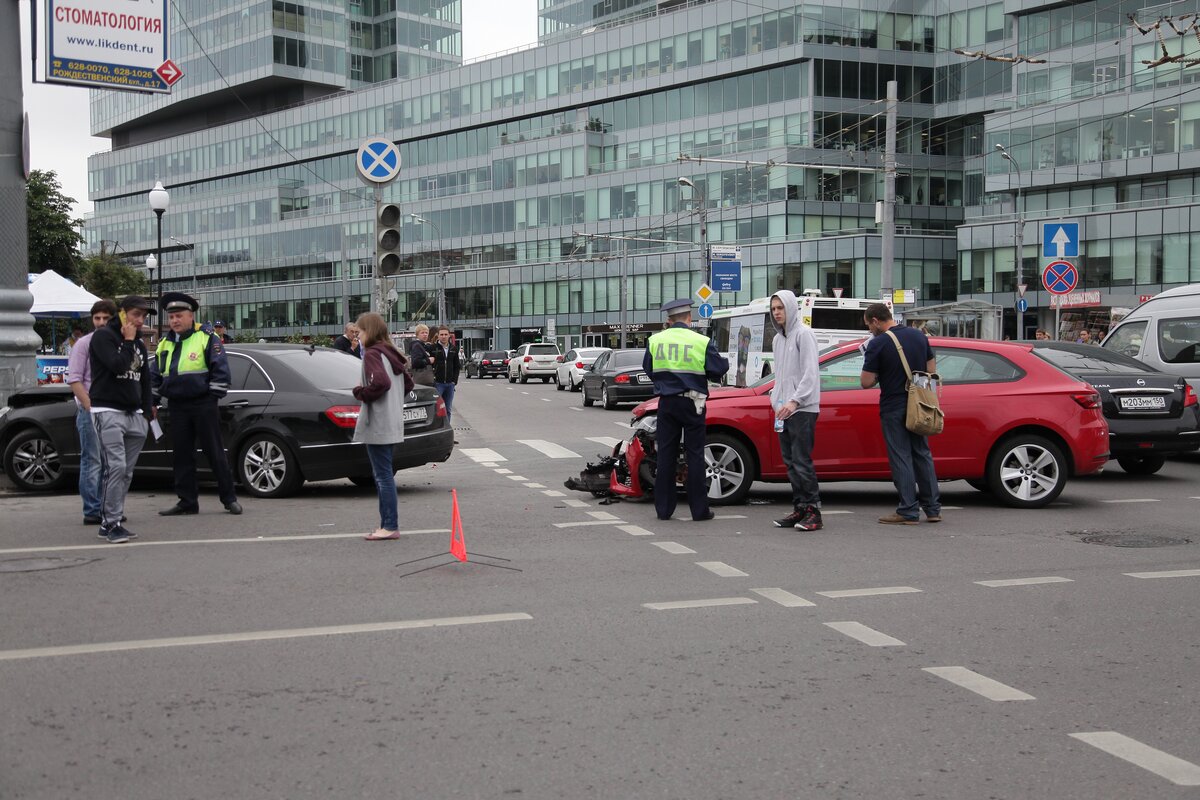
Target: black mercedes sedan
[(617, 377), (1150, 414), (288, 418)]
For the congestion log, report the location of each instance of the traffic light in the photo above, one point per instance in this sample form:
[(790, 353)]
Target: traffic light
[(387, 239)]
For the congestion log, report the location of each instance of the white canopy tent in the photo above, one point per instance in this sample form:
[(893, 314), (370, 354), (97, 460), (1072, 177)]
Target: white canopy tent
[(55, 296)]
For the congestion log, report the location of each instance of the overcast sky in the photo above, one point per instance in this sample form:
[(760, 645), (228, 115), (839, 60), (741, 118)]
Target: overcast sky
[(59, 117)]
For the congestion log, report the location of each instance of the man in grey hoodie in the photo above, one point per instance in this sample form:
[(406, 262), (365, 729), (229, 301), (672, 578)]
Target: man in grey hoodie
[(796, 399)]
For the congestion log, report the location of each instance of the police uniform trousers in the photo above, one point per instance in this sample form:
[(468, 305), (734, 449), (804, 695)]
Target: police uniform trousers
[(196, 424), (677, 415)]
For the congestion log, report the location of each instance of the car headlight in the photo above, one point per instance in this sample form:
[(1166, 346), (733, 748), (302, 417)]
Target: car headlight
[(648, 423)]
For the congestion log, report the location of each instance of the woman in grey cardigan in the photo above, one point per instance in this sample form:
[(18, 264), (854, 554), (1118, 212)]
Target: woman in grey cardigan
[(385, 382)]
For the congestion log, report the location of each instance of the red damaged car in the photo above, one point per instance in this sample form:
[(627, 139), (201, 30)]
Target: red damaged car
[(1016, 426)]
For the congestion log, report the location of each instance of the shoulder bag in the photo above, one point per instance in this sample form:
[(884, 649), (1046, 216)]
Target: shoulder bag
[(924, 416)]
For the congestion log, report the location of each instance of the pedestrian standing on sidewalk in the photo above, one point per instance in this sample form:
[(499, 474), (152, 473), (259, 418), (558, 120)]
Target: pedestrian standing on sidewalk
[(385, 382), (445, 369), (79, 378), (796, 399), (909, 456), (121, 408)]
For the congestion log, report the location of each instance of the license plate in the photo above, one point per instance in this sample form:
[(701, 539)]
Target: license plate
[(643, 379), (1143, 403), (415, 415)]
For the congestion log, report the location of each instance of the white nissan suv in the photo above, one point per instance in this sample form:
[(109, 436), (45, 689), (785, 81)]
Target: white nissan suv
[(538, 360)]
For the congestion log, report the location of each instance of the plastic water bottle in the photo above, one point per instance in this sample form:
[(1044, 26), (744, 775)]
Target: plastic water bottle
[(779, 424)]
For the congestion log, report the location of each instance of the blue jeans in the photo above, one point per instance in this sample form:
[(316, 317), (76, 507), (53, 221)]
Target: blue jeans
[(796, 443), (89, 463), (911, 463), (446, 390), (385, 485)]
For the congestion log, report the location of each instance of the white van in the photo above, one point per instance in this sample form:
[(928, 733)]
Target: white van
[(1164, 332)]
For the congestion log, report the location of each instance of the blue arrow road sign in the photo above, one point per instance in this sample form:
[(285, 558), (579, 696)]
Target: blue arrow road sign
[(1060, 239), (1022, 305), (706, 310), (1060, 277)]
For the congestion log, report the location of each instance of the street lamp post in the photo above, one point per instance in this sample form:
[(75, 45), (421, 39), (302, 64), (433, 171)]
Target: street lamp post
[(417, 218), (702, 205), (151, 264), (159, 198), (1019, 238)]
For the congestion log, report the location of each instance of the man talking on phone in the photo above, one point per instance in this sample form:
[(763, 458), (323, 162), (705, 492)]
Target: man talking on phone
[(122, 407)]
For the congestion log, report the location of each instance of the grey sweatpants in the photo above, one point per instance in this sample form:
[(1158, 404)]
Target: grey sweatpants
[(122, 435)]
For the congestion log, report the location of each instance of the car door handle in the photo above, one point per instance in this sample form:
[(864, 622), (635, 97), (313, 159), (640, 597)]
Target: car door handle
[(237, 404)]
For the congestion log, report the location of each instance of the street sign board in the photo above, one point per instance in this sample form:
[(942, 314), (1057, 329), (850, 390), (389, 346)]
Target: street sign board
[(170, 72), (108, 44), (378, 160), (1021, 287), (1060, 277), (1022, 305), (704, 292), (706, 310), (1060, 239), (904, 296), (725, 267)]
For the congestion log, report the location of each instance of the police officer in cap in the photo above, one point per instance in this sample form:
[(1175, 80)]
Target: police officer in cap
[(681, 362), (193, 373)]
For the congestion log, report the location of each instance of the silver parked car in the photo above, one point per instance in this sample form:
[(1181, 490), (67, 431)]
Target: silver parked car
[(536, 360), (569, 374)]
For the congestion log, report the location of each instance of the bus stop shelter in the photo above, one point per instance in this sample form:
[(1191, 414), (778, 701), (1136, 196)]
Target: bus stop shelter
[(972, 319)]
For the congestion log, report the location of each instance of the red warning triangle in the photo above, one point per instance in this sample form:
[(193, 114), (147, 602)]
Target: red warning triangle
[(458, 545)]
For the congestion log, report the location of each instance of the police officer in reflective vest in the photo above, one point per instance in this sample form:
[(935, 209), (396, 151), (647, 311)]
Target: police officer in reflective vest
[(681, 362), (193, 374)]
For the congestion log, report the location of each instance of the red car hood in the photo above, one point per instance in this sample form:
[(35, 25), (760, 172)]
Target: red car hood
[(715, 393)]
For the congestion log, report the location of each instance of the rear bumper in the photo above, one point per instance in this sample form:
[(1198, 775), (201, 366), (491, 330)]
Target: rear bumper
[(631, 393), (540, 370)]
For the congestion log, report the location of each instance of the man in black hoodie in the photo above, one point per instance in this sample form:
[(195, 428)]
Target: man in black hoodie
[(121, 408)]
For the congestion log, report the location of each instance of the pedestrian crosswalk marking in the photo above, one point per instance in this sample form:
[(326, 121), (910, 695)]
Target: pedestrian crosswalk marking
[(481, 454), (607, 441), (549, 449)]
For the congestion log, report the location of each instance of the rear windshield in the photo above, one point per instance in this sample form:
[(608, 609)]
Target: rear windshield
[(543, 350), (324, 369), (626, 358), (1082, 358), (494, 356)]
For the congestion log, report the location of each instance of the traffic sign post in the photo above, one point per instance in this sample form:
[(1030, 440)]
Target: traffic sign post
[(1060, 240), (1059, 277), (725, 267), (706, 311), (1022, 307)]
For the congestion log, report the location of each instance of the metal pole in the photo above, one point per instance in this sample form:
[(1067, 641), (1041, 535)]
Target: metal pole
[(161, 270), (1020, 243), (703, 238), (887, 253), (624, 303), (377, 295)]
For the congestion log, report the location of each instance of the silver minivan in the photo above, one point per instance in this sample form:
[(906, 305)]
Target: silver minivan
[(1163, 332)]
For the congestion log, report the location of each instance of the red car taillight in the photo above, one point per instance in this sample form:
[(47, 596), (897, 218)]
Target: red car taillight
[(485, 363), (558, 359), (1189, 395), (578, 365), (1087, 399), (506, 362), (441, 408), (622, 378), (527, 359), (342, 416)]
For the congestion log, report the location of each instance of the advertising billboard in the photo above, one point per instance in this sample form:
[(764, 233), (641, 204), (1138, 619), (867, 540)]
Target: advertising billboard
[(109, 44)]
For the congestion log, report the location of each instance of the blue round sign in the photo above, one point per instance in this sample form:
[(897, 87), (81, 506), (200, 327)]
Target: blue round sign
[(1022, 305), (378, 160), (706, 310)]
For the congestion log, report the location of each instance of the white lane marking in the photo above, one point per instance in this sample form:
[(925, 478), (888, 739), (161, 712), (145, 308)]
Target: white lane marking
[(1195, 498), (825, 513), (952, 508), (546, 400), (249, 540), (253, 636), (554, 493), (1164, 765), (1171, 573), (575, 408), (601, 515), (573, 503), (479, 454), (491, 464), (674, 548), (516, 477), (1132, 500), (1026, 581), (869, 592), (870, 636), (535, 485), (634, 530), (503, 471), (979, 684), (587, 524), (716, 601), (524, 392), (548, 449), (783, 597), (622, 424), (726, 516), (721, 569), (607, 441)]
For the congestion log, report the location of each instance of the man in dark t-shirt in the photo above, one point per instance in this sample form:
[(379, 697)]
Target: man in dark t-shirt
[(909, 456)]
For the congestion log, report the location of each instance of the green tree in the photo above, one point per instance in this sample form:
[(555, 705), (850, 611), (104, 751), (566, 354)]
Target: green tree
[(53, 233), (105, 276)]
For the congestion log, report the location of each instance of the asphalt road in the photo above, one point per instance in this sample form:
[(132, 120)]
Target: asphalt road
[(277, 654)]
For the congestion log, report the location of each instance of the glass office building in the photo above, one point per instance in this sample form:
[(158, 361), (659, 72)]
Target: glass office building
[(544, 180)]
